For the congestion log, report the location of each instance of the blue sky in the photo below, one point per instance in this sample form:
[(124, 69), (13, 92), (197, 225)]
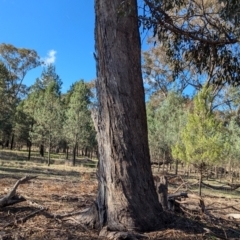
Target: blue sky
[(61, 31)]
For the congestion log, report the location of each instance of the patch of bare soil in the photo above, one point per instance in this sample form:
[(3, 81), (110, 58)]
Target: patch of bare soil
[(33, 219)]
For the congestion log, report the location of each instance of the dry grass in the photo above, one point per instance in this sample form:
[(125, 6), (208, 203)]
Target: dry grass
[(60, 189), (64, 189)]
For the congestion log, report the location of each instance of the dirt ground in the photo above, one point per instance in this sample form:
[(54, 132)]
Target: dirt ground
[(65, 191)]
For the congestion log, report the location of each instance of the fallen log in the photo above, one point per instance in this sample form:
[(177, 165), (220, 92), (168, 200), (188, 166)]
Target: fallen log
[(177, 195), (231, 187), (12, 198)]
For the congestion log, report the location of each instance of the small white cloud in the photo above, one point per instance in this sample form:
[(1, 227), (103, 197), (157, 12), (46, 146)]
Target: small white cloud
[(51, 57)]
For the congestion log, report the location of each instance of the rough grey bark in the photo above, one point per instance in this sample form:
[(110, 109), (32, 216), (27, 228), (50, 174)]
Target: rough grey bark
[(162, 190), (127, 199)]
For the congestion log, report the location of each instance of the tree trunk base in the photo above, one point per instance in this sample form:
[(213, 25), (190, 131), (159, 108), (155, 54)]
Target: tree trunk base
[(89, 217)]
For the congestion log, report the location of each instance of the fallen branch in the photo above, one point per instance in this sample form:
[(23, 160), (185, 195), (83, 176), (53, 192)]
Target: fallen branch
[(24, 219), (230, 188), (36, 205), (177, 195), (221, 208), (79, 223), (233, 186), (11, 198)]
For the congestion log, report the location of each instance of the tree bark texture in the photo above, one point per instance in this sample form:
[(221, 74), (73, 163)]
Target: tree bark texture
[(127, 199), (162, 190)]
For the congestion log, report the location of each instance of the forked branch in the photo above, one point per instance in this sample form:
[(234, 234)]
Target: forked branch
[(12, 198)]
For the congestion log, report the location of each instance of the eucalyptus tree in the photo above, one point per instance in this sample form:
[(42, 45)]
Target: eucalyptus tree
[(18, 61), (48, 114), (158, 72), (77, 126), (203, 140), (201, 36), (15, 64), (5, 108), (126, 198)]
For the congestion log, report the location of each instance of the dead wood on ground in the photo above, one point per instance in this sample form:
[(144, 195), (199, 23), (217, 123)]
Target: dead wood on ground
[(12, 198), (231, 187)]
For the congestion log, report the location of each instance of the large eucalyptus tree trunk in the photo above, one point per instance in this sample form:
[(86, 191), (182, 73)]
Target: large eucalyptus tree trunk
[(127, 199)]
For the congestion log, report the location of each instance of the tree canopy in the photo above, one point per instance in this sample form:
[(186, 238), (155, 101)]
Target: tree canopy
[(203, 34)]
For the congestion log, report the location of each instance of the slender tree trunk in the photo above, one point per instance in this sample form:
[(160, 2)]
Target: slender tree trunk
[(67, 152), (41, 150), (29, 149), (77, 154), (12, 142), (163, 165), (64, 148), (49, 149), (7, 143), (74, 155), (127, 199), (49, 155), (176, 168)]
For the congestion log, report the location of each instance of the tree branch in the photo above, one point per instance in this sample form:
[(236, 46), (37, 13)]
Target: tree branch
[(11, 198)]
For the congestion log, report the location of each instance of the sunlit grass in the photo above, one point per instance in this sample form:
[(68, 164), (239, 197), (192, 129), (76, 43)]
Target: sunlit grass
[(12, 163)]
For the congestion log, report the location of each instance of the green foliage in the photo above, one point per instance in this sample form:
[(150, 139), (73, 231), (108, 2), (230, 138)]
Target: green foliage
[(48, 113), (18, 61), (234, 139), (204, 138), (202, 34), (14, 65), (158, 71), (23, 124), (5, 104), (165, 118), (78, 126)]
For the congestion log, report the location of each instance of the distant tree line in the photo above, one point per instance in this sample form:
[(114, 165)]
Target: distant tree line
[(41, 115)]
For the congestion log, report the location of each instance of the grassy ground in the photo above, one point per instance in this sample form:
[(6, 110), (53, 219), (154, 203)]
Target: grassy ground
[(64, 189)]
